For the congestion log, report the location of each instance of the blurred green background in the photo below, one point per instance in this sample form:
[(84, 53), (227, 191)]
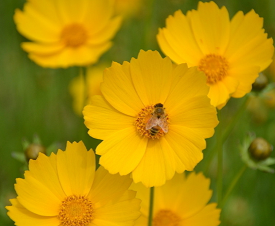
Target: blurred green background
[(36, 101)]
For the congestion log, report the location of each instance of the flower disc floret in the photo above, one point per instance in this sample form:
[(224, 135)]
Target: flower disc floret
[(74, 35), (76, 211), (166, 217)]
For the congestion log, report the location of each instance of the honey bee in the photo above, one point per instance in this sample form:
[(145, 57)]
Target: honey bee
[(158, 120)]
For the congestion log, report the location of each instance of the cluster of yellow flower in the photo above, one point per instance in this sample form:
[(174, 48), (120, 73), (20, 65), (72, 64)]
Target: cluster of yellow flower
[(152, 115)]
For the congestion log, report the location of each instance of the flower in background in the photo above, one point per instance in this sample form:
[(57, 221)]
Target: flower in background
[(153, 118), (181, 201), (82, 89), (66, 33), (230, 53), (64, 189), (128, 8)]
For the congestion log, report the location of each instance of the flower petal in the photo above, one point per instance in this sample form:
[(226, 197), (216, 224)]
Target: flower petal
[(208, 216), (42, 49), (36, 196), (210, 26), (76, 168), (154, 168), (44, 170), (122, 151), (118, 89), (80, 56), (22, 216), (124, 212), (151, 76), (187, 144), (103, 120), (108, 188)]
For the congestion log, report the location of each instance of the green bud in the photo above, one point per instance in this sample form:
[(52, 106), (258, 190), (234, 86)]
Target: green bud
[(260, 82), (32, 151), (259, 149)]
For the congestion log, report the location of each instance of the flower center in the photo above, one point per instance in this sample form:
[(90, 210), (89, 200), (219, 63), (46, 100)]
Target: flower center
[(215, 68), (75, 211), (74, 35), (148, 116), (166, 218)]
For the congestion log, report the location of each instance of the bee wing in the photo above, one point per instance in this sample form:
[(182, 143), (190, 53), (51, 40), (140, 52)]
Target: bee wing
[(163, 124), (153, 121)]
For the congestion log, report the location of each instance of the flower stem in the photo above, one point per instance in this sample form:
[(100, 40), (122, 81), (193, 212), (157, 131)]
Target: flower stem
[(232, 185), (151, 207)]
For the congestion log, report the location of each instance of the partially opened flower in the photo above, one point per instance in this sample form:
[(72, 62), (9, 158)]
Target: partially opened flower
[(66, 33), (182, 201), (65, 190), (82, 89), (230, 53), (153, 118)]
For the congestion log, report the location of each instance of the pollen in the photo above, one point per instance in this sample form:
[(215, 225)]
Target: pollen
[(76, 211), (142, 118), (215, 68), (74, 35), (166, 218)]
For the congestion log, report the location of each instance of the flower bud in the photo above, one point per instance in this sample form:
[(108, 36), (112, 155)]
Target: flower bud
[(260, 149), (260, 83), (32, 151)]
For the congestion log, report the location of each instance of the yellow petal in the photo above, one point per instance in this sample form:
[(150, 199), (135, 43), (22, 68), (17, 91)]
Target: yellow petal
[(105, 33), (76, 169), (23, 217), (102, 119), (187, 83), (248, 42), (36, 196), (218, 94), (108, 188), (211, 27), (198, 115), (36, 27), (83, 55), (42, 49), (123, 212), (44, 170), (187, 145), (154, 168), (208, 216), (122, 151), (194, 195), (119, 91), (151, 76)]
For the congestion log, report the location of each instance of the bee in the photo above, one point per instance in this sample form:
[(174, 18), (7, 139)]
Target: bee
[(158, 120)]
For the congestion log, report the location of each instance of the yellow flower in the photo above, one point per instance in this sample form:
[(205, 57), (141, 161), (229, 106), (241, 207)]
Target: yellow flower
[(132, 95), (181, 201), (230, 53), (83, 89), (66, 33), (65, 190)]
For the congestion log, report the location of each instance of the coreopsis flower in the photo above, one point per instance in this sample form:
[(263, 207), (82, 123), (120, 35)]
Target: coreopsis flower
[(181, 201), (64, 34), (230, 53), (153, 118), (82, 89), (65, 190)]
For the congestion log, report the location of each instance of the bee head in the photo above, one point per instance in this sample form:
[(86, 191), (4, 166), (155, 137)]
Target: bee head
[(159, 105)]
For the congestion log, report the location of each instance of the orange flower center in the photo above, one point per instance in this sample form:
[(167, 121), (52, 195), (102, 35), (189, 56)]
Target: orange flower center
[(74, 35), (215, 68), (75, 211), (143, 117), (166, 218)]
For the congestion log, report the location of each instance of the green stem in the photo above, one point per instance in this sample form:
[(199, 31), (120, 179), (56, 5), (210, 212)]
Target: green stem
[(232, 185), (148, 25), (151, 207)]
